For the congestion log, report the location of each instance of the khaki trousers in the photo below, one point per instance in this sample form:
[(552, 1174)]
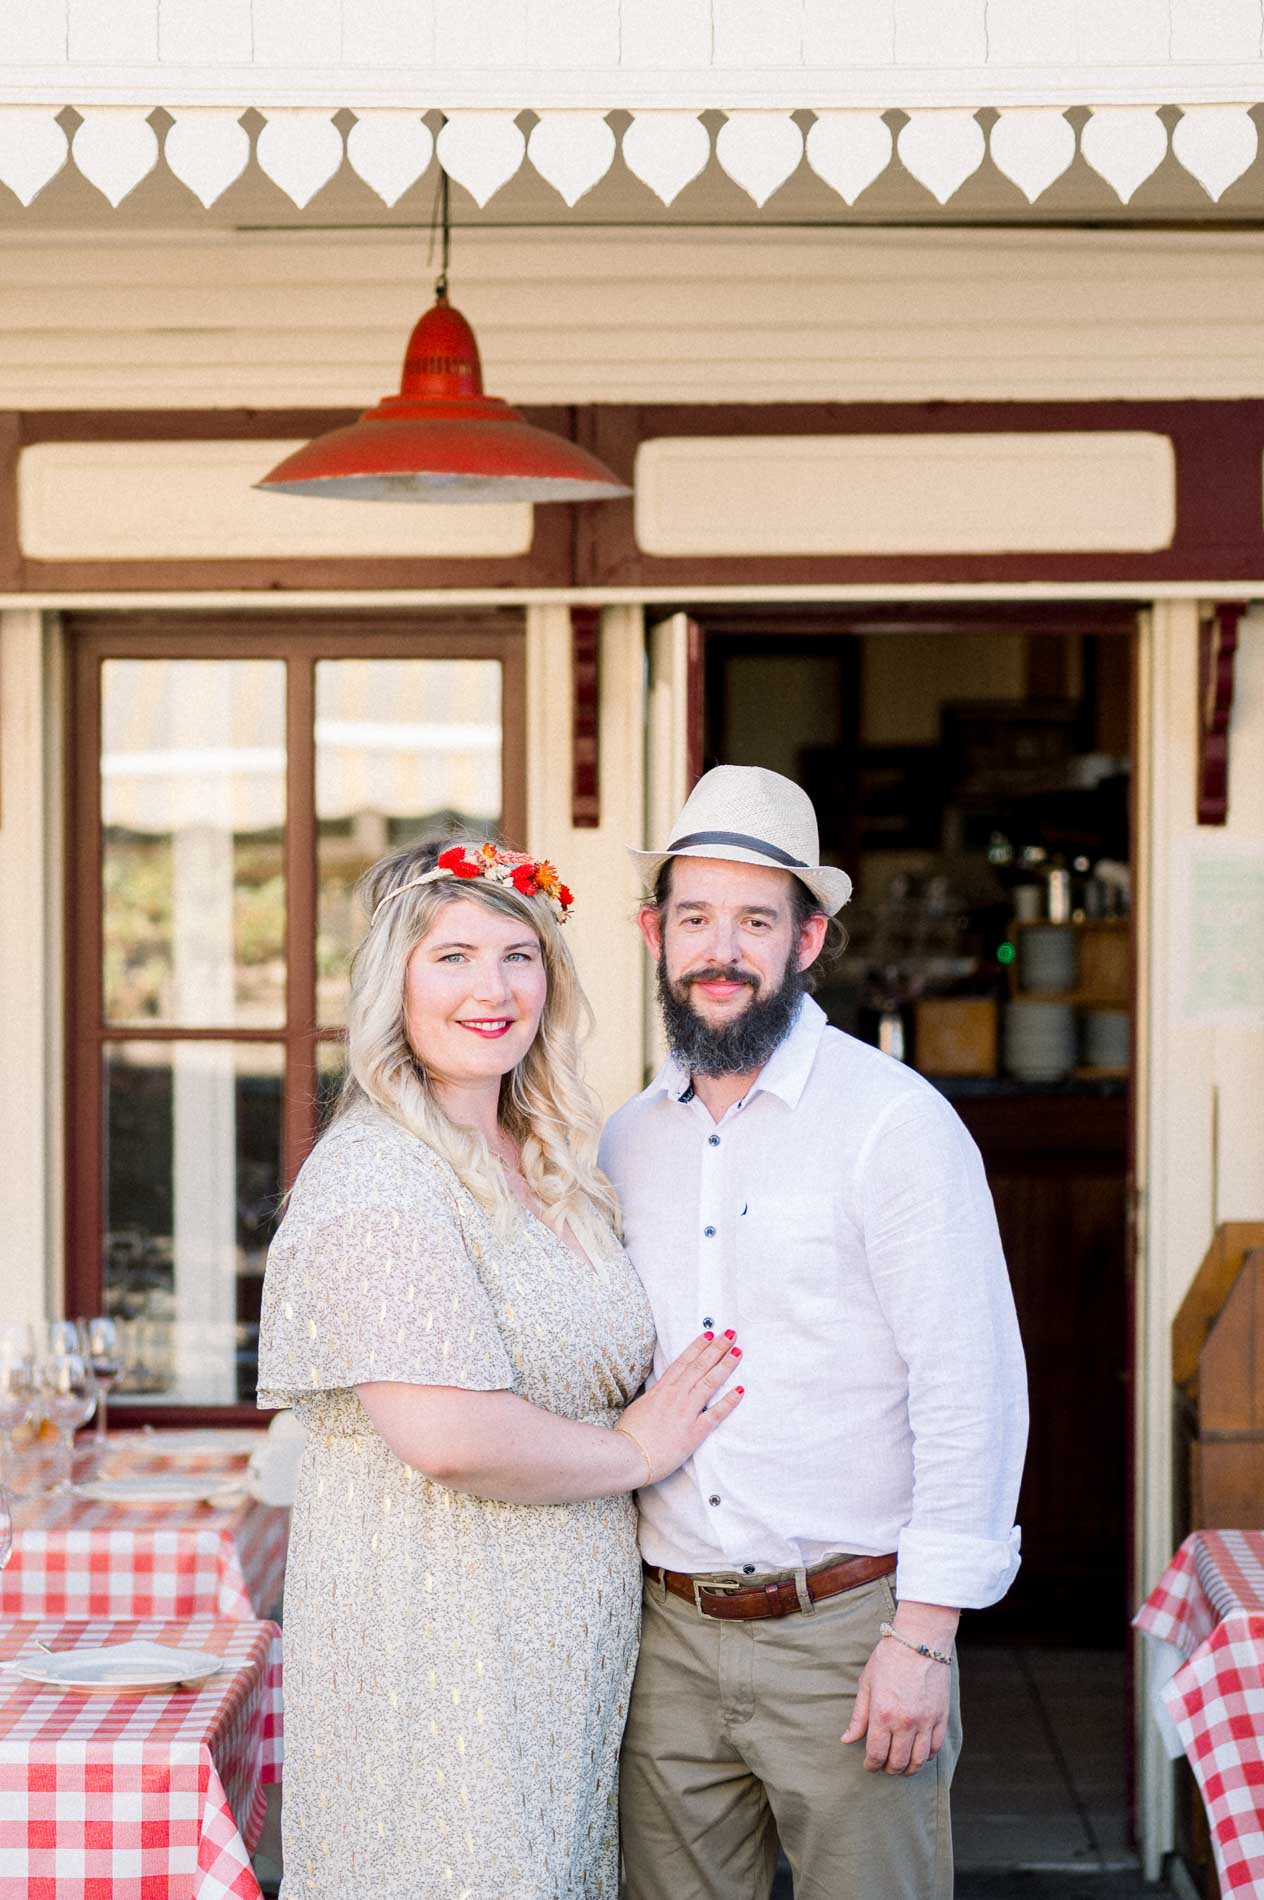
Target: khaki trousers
[(733, 1740)]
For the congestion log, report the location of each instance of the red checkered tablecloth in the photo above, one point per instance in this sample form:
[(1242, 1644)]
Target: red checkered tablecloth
[(1209, 1607), (74, 1557), (114, 1797)]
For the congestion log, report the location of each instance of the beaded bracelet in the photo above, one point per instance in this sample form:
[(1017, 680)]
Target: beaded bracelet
[(921, 1649)]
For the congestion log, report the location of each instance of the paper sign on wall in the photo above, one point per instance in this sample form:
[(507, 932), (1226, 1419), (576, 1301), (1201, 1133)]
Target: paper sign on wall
[(1223, 933)]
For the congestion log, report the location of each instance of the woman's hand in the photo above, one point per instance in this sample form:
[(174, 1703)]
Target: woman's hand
[(496, 1445), (671, 1420)]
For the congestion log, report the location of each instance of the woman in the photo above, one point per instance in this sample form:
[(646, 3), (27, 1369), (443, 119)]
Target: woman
[(449, 1311)]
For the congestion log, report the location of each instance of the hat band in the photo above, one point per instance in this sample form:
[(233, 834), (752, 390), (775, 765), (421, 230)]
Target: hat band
[(746, 844)]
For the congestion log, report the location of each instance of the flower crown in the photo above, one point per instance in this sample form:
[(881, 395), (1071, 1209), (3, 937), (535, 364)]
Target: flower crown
[(530, 877)]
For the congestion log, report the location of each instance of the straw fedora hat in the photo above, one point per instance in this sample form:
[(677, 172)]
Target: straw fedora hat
[(748, 815)]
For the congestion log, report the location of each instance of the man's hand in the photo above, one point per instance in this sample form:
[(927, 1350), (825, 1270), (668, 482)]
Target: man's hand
[(902, 1702)]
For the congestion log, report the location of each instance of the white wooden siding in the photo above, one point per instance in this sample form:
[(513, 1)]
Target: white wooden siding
[(632, 52), (175, 321)]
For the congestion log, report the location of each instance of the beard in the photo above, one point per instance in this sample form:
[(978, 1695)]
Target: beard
[(739, 1047)]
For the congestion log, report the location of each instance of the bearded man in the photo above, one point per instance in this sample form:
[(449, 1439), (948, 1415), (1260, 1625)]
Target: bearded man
[(806, 1569)]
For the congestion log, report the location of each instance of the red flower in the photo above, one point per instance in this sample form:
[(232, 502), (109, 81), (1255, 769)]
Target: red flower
[(564, 897), (523, 880), (456, 862)]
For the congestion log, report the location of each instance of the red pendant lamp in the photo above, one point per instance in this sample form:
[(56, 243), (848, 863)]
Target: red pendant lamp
[(441, 439)]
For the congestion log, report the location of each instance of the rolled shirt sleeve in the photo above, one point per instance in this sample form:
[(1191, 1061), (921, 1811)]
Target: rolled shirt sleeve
[(939, 1274)]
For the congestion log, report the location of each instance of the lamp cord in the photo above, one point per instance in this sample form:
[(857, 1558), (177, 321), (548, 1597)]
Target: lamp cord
[(440, 222)]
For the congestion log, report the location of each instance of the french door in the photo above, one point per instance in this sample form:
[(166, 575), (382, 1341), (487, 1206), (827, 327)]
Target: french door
[(230, 781)]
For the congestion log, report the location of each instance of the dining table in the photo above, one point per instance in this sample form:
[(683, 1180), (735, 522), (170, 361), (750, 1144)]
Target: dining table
[(1204, 1620), (92, 1551), (118, 1795)]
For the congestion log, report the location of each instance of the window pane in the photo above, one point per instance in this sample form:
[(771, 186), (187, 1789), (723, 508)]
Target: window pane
[(192, 1193), (331, 1073), (193, 816), (405, 749)]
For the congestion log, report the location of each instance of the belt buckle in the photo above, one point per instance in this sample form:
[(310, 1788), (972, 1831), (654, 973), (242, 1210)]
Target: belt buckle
[(699, 1587)]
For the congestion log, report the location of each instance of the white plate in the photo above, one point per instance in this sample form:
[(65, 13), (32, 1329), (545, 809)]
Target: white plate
[(161, 1487), (121, 1668), (187, 1443)]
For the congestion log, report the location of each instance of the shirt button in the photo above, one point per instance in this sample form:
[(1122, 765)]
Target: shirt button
[(709, 1233), (748, 1570), (707, 1323), (713, 1141), (713, 1499)]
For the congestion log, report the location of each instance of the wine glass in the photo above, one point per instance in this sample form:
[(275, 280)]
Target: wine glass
[(69, 1395), (62, 1336), (100, 1343), (17, 1400)]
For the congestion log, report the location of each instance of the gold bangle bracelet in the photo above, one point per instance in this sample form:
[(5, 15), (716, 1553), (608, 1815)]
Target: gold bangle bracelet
[(649, 1469)]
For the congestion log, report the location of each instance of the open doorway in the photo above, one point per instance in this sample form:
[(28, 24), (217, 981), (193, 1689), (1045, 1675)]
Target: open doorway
[(971, 769)]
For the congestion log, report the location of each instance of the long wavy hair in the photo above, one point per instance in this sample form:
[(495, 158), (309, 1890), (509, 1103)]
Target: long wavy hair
[(545, 1105)]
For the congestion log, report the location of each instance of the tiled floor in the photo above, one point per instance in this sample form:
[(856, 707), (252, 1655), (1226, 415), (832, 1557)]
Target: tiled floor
[(1041, 1779)]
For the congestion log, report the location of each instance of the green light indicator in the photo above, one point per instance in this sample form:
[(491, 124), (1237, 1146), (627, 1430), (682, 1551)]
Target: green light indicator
[(1005, 953)]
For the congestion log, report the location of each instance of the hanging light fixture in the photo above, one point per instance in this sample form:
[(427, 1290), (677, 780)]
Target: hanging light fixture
[(441, 439)]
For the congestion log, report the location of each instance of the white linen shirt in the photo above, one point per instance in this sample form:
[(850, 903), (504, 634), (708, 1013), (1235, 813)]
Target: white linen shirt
[(839, 1218)]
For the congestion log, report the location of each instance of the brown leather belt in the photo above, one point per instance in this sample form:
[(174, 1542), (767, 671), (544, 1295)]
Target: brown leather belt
[(771, 1599)]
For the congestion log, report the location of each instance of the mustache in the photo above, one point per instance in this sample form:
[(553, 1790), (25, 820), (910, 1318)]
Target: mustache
[(722, 973)]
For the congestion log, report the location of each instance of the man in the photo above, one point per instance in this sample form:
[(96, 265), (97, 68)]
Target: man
[(805, 1571)]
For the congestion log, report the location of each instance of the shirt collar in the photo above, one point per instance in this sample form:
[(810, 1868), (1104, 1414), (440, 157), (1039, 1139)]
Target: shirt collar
[(784, 1074)]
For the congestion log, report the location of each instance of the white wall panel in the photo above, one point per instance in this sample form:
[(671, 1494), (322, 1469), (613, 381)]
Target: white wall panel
[(573, 33), (1032, 33), (908, 494), (389, 33), (192, 501), (200, 34), (492, 34), (1198, 1154), (655, 34), (1215, 29), (35, 33), (118, 34), (848, 33), (303, 32), (750, 33), (174, 321), (597, 54), (940, 33), (602, 936), (1123, 32), (30, 964)]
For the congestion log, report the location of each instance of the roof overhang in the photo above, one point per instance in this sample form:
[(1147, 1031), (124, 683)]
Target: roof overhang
[(1109, 152), (933, 88)]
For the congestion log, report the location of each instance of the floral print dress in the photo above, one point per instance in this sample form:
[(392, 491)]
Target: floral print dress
[(456, 1671)]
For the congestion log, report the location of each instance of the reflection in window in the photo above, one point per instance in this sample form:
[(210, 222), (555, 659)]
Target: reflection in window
[(405, 750), (331, 1073), (193, 1187), (193, 816)]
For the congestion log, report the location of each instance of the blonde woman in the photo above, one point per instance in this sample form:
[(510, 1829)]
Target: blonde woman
[(448, 1308)]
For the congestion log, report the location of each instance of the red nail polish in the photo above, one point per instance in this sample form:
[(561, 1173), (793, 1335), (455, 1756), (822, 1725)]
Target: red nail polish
[(730, 1334), (739, 1389), (708, 1335), (737, 1352)]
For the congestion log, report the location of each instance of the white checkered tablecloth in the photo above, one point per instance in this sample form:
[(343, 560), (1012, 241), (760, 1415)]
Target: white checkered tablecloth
[(140, 1797), (1208, 1608), (75, 1557)]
